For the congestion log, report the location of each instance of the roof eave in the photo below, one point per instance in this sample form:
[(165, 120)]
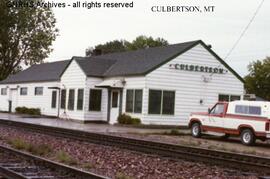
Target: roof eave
[(31, 81)]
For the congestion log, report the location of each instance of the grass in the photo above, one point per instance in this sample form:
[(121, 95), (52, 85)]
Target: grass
[(19, 144), (41, 150), (88, 165), (35, 149), (64, 157), (120, 175)]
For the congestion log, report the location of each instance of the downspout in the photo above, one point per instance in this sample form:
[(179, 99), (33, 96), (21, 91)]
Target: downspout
[(109, 105), (59, 100)]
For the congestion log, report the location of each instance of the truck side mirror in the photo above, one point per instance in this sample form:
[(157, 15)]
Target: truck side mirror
[(209, 110)]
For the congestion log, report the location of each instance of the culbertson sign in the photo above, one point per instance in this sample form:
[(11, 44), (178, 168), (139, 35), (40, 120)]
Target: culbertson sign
[(197, 68)]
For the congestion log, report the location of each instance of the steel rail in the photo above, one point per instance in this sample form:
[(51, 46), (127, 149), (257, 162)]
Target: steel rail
[(250, 163), (7, 172)]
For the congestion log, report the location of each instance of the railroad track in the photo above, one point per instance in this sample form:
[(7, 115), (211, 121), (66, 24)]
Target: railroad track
[(15, 164), (249, 163)]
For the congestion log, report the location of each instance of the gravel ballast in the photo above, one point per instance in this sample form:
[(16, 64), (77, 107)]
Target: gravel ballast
[(118, 163)]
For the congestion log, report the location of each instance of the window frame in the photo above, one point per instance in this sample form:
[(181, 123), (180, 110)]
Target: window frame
[(82, 100), (248, 107), (217, 114), (115, 104), (39, 87), (21, 90), (134, 100), (73, 106), (54, 103), (4, 91), (161, 102), (100, 100), (63, 103), (173, 110), (230, 96)]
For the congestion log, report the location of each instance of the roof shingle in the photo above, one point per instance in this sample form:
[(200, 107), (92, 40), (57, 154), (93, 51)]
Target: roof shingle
[(42, 72)]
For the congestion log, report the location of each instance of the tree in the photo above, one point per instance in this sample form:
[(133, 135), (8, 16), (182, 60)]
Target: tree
[(108, 47), (258, 79), (146, 42), (26, 36), (141, 42)]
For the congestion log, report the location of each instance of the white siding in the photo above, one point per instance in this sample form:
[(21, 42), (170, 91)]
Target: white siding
[(73, 78), (189, 86), (31, 100), (4, 99)]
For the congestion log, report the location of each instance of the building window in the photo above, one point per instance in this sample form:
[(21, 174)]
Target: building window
[(3, 91), (114, 99), (161, 102), (134, 101), (80, 99), (23, 91), (235, 98), (253, 110), (129, 101), (71, 96), (54, 96), (63, 98), (228, 98), (95, 100), (154, 101), (38, 91), (168, 102)]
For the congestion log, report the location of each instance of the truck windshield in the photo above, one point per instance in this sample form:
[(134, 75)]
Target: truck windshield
[(218, 109)]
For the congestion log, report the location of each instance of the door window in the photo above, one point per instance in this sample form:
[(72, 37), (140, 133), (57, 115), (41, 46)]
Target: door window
[(114, 99), (218, 109)]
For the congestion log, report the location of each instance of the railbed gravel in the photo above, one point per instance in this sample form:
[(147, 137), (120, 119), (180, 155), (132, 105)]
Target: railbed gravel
[(114, 162)]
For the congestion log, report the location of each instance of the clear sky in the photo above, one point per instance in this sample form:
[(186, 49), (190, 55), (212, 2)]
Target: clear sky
[(81, 27)]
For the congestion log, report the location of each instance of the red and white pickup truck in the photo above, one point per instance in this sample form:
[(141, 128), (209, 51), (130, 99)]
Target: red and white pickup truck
[(248, 119)]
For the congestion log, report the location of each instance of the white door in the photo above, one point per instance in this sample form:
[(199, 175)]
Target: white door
[(13, 99), (114, 106)]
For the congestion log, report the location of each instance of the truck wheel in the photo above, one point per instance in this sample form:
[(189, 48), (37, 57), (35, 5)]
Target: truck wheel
[(196, 130), (247, 137)]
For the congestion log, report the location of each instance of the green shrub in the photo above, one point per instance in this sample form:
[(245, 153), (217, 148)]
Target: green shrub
[(25, 110), (127, 119), (136, 121), (124, 119)]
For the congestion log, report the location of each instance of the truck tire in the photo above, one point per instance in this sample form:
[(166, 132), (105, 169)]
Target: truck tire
[(247, 137), (196, 130)]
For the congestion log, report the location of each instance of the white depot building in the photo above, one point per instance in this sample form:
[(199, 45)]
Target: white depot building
[(160, 85)]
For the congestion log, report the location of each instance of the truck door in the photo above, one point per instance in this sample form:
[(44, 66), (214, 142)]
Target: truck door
[(216, 118)]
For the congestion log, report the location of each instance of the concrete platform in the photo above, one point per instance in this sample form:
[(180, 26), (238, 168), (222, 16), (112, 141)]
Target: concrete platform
[(90, 127)]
